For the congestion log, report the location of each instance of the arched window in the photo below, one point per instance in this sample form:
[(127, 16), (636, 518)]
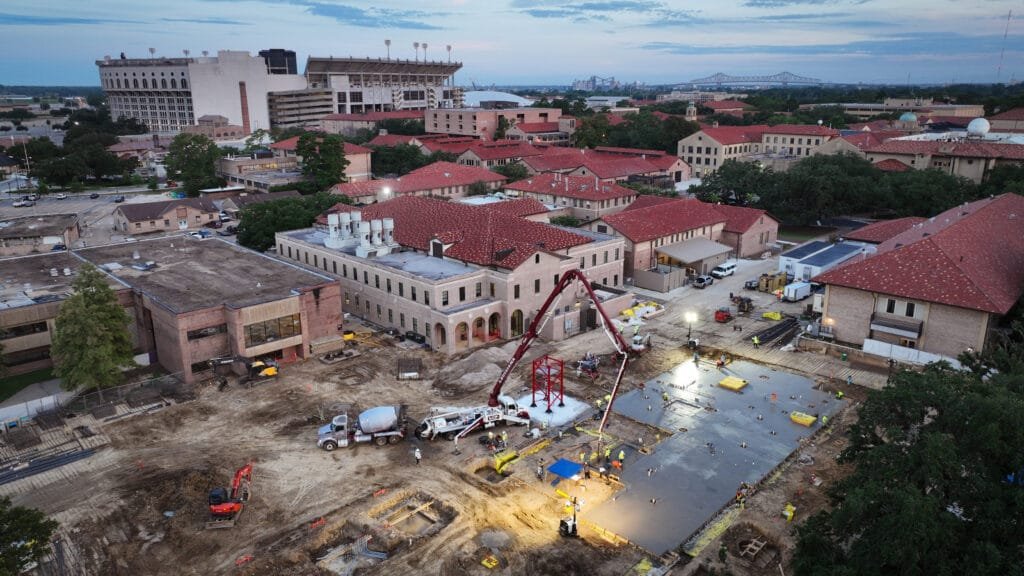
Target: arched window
[(145, 83), (163, 83), (135, 82), (118, 82), (174, 84), (184, 84)]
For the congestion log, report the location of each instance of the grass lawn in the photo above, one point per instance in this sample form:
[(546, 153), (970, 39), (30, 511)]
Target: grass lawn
[(803, 233), (11, 385)]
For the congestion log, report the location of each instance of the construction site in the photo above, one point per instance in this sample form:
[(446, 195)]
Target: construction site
[(646, 448)]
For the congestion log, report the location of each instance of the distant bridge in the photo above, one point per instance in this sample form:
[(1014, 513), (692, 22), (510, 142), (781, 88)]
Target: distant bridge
[(784, 78)]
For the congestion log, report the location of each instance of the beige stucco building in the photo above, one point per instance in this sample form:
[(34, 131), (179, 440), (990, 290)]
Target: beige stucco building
[(483, 123), (165, 216), (459, 275), (358, 157), (971, 159), (34, 234), (585, 198)]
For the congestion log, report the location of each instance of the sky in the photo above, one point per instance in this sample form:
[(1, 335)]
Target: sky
[(520, 42)]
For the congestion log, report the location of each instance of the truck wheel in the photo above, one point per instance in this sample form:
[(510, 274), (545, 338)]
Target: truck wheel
[(329, 445), (393, 439), (380, 440), (448, 436)]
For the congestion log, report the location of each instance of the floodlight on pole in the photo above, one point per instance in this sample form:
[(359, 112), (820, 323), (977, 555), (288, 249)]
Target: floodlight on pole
[(690, 318), (387, 43)]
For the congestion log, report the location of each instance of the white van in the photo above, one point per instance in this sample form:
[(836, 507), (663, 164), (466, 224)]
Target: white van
[(724, 269)]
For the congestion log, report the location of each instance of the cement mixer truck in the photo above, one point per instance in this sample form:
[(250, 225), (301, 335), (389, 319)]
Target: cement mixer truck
[(381, 425)]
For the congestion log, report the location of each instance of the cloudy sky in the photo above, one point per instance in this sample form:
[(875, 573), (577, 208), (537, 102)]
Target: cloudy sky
[(539, 41)]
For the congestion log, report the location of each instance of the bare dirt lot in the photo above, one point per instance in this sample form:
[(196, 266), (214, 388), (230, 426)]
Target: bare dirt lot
[(139, 505)]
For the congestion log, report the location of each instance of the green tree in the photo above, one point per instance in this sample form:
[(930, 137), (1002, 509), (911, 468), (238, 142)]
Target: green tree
[(25, 535), (1003, 178), (91, 342), (735, 183), (514, 172), (152, 183), (591, 132), (260, 222), (406, 126), (927, 192), (61, 171), (569, 221), (930, 491), (503, 126), (399, 160), (323, 159), (256, 141), (478, 188), (192, 161)]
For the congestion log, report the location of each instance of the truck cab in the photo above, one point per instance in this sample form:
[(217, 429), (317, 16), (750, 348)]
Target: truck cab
[(335, 434)]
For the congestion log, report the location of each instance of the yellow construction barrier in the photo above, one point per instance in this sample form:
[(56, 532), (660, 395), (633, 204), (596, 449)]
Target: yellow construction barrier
[(803, 419), (772, 315), (789, 512), (732, 383)]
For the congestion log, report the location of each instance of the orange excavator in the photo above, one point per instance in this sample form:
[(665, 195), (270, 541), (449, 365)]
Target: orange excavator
[(226, 507)]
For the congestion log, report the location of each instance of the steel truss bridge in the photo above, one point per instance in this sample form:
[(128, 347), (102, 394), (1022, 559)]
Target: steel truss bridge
[(784, 78)]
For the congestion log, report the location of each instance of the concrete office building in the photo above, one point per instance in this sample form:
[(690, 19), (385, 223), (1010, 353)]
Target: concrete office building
[(280, 61), (168, 94), (460, 275), (482, 123), (299, 108), (381, 85)]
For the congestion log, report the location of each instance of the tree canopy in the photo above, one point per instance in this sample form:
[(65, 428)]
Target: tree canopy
[(323, 159), (192, 161), (514, 172), (637, 130), (91, 342), (931, 492), (25, 535), (260, 222), (401, 159)]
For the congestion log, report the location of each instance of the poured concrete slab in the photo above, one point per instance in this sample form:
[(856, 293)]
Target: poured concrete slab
[(559, 415), (700, 460)]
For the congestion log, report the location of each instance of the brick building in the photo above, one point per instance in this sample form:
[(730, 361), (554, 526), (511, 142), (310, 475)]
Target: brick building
[(459, 275), (440, 179), (585, 198), (358, 157), (483, 123), (165, 216), (31, 234)]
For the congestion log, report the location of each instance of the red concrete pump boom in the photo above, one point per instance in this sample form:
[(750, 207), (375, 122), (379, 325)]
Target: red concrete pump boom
[(622, 348)]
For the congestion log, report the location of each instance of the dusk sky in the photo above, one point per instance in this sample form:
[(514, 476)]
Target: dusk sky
[(54, 42)]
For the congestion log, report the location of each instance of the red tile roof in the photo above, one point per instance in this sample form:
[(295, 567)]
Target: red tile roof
[(537, 127), (727, 135), (289, 144), (1011, 114), (390, 140), (959, 149), (581, 187), (478, 234), (503, 149), (378, 116), (521, 207), (719, 105), (739, 219), (891, 165), (878, 232), (801, 130), (606, 167), (429, 177), (961, 121), (646, 201), (664, 219), (863, 140), (970, 257), (453, 145), (629, 151)]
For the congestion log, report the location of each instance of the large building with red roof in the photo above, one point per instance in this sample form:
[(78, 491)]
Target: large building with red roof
[(1010, 121), (358, 157), (460, 275), (971, 159), (609, 164), (440, 179), (497, 153), (351, 124), (709, 148), (938, 287), (484, 123), (552, 133), (586, 198)]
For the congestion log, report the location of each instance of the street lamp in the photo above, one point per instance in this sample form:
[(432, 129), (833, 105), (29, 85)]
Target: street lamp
[(690, 317)]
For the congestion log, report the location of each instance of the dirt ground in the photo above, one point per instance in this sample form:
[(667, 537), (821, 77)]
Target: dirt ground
[(139, 507)]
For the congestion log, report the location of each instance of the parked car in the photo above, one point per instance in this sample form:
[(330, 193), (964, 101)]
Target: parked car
[(94, 195), (224, 216), (61, 196), (119, 199), (417, 338), (20, 203), (30, 197), (214, 224), (703, 282), (232, 229), (724, 269), (225, 233), (58, 248), (200, 234)]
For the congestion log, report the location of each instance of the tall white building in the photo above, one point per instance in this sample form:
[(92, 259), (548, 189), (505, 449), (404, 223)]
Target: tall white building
[(168, 94), (380, 84)]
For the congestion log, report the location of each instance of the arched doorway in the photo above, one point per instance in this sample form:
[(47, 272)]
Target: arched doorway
[(494, 327), (440, 336), (479, 335), (461, 336), (517, 323)]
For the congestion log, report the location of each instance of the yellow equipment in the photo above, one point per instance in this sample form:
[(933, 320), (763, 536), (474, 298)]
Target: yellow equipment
[(772, 315), (803, 419), (503, 460), (771, 283), (732, 383), (789, 512)]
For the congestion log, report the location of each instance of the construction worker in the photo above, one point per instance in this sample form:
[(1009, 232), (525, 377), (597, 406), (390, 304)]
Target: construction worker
[(599, 403), (583, 457), (608, 398), (664, 397), (839, 394), (824, 421), (849, 379), (756, 341), (418, 455), (607, 455), (504, 436), (622, 456), (636, 329)]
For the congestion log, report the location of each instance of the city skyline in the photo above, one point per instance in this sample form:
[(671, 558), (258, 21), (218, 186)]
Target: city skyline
[(541, 41)]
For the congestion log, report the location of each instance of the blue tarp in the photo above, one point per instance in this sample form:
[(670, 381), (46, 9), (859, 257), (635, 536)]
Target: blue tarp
[(565, 468)]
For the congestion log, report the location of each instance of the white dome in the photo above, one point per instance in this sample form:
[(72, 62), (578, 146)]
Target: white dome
[(473, 98), (978, 127)]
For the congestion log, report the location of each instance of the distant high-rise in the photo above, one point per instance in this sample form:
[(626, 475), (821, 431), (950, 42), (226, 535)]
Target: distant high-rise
[(280, 61)]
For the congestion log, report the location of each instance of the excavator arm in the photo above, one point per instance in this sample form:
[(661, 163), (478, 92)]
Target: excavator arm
[(621, 347)]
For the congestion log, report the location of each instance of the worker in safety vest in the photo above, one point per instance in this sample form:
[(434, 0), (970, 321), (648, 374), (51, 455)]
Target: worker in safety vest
[(622, 455), (607, 455), (583, 457), (757, 342)]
